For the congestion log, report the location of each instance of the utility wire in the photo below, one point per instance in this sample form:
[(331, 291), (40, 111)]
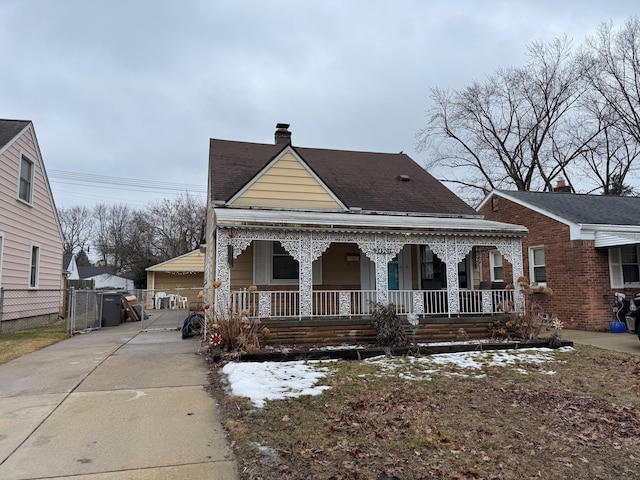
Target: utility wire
[(121, 183)]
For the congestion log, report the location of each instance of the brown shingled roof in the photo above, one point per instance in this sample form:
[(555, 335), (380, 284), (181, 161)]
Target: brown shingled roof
[(367, 180)]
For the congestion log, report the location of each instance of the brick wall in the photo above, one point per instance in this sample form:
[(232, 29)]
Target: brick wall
[(577, 273)]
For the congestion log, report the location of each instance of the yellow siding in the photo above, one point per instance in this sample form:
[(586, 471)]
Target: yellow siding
[(191, 262), (335, 268), (287, 184), (187, 285), (242, 271)]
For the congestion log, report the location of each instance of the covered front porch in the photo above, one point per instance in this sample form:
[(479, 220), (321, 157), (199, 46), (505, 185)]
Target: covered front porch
[(312, 266)]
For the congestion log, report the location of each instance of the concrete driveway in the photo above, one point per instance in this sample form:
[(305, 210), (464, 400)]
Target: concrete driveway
[(619, 342), (116, 403)]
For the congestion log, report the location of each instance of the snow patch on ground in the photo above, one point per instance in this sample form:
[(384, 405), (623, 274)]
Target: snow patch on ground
[(262, 381)]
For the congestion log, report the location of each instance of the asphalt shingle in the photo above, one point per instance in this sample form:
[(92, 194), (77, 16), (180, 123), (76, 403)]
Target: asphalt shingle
[(582, 208), (367, 180)]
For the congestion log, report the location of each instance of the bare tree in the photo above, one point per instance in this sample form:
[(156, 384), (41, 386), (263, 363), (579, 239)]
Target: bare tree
[(178, 225), (113, 229), (510, 130), (77, 228), (610, 63)]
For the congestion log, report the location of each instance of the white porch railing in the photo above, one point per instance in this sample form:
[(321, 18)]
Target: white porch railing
[(353, 303)]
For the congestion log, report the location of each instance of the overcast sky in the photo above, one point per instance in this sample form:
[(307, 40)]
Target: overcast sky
[(136, 88)]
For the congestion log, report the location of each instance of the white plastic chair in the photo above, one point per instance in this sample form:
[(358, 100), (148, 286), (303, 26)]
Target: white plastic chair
[(158, 299), (181, 302)]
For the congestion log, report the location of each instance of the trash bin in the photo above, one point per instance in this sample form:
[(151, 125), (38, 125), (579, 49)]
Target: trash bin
[(111, 307)]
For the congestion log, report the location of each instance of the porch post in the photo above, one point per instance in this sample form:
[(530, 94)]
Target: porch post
[(381, 248), (222, 294), (452, 251), (305, 265), (453, 289), (511, 249), (305, 247)]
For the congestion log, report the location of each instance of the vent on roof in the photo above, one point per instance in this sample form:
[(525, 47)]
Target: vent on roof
[(283, 135), (404, 178)]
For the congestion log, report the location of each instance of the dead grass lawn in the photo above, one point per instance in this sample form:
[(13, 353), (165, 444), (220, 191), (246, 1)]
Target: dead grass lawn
[(14, 345), (581, 422)]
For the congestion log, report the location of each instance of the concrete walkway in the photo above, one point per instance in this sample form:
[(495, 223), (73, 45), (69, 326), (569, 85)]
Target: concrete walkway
[(113, 404), (619, 342)]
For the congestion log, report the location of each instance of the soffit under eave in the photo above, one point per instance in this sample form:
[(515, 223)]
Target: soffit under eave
[(605, 240)]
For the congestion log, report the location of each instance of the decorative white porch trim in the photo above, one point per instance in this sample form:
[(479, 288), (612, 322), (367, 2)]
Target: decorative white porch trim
[(379, 247)]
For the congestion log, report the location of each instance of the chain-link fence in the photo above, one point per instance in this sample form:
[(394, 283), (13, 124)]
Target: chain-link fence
[(87, 309), (21, 309), (93, 309), (172, 298)]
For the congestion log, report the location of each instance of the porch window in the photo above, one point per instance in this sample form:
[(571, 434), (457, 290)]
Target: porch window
[(274, 266), (624, 268), (433, 271), (537, 266), (283, 266), (495, 263)]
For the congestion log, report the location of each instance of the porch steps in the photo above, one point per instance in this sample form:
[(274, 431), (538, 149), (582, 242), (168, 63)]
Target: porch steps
[(340, 331)]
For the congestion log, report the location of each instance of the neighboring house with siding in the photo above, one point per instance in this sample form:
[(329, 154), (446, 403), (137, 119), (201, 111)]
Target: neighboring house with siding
[(30, 233), (584, 247), (320, 234), (105, 278), (183, 275)]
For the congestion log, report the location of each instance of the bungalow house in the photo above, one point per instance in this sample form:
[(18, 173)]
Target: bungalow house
[(319, 234), (583, 247), (30, 233), (182, 276)]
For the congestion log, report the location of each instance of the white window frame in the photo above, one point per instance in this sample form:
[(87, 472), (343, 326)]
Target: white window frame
[(29, 200), (532, 265), (279, 281), (34, 265), (493, 265), (616, 270), (263, 266)]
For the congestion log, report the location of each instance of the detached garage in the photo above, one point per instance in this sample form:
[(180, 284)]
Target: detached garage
[(182, 276)]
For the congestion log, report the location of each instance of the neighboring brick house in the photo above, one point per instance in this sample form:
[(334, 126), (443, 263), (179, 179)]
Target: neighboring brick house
[(583, 247)]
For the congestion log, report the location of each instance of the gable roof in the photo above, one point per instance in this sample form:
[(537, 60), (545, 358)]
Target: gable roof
[(90, 271), (9, 129), (581, 208), (190, 262), (366, 180)]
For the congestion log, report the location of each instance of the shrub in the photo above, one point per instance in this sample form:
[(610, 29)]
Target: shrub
[(531, 322), (389, 330), (234, 332)]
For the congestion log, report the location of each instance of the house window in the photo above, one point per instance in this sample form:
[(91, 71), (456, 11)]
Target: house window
[(624, 268), (495, 263), (537, 270), (35, 266), (25, 191), (283, 266)]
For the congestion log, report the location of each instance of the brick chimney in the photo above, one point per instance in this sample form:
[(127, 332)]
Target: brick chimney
[(561, 186), (283, 135)]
